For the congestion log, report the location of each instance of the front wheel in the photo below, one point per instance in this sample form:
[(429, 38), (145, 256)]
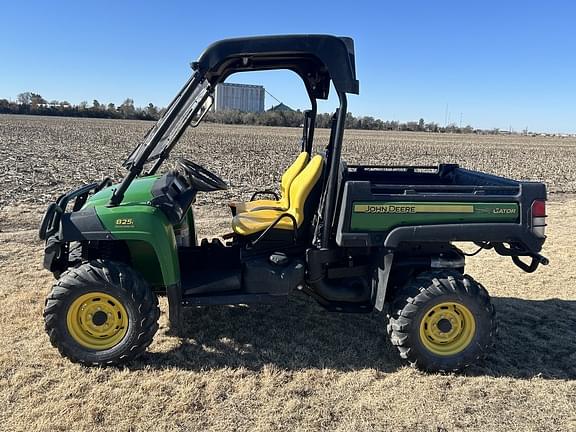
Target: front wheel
[(101, 313), (442, 321)]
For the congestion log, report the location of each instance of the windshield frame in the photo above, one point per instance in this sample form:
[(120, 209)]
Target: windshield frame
[(318, 59), (162, 137)]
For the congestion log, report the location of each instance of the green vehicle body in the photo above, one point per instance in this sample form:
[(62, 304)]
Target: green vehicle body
[(145, 229), (365, 236), (152, 244), (154, 252)]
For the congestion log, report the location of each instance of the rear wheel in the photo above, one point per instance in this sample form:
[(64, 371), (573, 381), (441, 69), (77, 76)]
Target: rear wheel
[(101, 313), (442, 321)]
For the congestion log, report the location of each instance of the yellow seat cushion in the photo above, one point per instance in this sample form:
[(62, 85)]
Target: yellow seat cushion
[(284, 202), (258, 220), (258, 205)]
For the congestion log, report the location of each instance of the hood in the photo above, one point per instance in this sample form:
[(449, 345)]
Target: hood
[(139, 192)]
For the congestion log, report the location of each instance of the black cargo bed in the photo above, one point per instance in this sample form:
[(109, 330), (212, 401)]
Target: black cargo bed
[(442, 183), (446, 178)]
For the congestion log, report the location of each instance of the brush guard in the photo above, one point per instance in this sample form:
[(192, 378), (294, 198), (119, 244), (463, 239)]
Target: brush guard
[(50, 224)]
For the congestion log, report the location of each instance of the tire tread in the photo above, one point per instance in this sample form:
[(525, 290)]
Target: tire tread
[(410, 299), (95, 273)]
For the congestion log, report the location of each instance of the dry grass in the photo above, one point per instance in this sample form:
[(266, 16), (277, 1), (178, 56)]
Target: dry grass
[(291, 367)]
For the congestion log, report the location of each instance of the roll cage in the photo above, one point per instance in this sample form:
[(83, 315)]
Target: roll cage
[(317, 59)]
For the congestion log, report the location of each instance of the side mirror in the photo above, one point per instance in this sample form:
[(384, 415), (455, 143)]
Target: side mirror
[(199, 115)]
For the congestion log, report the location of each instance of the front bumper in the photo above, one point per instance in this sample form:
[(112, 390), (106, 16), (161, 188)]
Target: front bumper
[(50, 230)]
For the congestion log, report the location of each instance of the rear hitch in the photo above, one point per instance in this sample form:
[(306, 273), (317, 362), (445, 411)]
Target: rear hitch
[(537, 259)]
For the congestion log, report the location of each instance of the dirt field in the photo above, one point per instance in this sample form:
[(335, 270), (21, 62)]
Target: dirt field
[(291, 367), (41, 157)]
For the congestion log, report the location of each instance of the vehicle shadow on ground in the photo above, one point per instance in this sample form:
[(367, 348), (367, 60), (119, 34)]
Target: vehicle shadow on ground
[(536, 339)]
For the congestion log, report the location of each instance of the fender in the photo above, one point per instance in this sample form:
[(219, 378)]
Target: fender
[(147, 224), (133, 224)]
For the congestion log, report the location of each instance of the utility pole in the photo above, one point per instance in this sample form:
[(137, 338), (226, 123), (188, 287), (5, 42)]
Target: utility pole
[(446, 116), (460, 119)]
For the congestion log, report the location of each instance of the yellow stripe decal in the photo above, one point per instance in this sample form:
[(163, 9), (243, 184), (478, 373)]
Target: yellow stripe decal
[(446, 208), (413, 208)]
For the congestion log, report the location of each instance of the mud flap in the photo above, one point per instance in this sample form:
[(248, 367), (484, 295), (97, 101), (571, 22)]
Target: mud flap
[(174, 294), (383, 275)]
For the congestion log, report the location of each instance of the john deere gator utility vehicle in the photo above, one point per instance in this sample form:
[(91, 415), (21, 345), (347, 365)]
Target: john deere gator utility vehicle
[(357, 238)]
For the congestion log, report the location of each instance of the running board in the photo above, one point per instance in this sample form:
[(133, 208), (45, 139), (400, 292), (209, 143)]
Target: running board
[(233, 299)]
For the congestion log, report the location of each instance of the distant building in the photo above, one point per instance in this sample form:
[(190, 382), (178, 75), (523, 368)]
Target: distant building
[(239, 97), (280, 107)]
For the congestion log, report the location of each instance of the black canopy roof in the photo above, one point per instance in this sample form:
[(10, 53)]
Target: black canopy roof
[(317, 59)]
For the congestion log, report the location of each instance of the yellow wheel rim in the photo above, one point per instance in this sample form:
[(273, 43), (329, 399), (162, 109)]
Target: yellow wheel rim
[(97, 321), (447, 328)]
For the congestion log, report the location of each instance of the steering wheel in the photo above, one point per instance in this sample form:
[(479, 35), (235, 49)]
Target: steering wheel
[(200, 178)]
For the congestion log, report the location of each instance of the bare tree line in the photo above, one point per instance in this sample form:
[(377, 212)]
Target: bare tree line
[(34, 104)]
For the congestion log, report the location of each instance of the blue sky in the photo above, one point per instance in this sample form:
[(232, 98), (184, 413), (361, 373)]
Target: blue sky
[(496, 64)]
